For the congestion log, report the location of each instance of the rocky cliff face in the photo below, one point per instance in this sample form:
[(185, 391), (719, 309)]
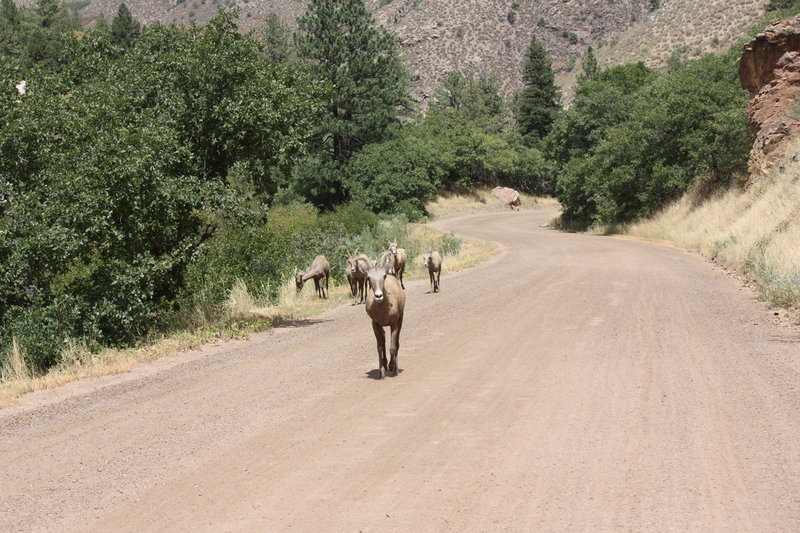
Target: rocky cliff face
[(770, 69)]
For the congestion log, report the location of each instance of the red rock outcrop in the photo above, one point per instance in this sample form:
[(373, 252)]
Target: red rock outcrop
[(770, 69)]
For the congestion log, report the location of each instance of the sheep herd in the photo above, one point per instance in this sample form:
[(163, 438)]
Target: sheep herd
[(385, 300)]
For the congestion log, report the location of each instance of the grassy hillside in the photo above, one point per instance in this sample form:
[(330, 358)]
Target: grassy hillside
[(752, 232), (688, 27)]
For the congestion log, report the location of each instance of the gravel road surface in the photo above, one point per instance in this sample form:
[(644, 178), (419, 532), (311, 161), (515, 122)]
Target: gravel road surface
[(572, 383)]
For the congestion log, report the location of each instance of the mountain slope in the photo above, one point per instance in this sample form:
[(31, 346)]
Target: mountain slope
[(485, 37), (688, 27)]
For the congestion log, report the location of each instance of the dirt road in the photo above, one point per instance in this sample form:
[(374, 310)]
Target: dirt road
[(573, 383)]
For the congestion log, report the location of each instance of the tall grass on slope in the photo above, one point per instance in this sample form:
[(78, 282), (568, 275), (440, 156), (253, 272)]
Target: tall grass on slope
[(755, 232)]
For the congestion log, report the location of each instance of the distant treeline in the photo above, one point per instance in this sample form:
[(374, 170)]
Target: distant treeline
[(145, 169)]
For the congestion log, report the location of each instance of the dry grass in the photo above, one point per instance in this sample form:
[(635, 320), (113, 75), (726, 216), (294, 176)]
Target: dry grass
[(245, 314), (754, 232), (687, 26), (482, 200), (77, 362), (472, 252)]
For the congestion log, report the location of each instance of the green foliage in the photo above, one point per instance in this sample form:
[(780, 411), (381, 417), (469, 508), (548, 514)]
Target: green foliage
[(394, 176), (125, 30), (634, 140), (277, 40), (120, 169), (32, 34), (536, 105), (599, 103), (775, 5), (368, 81), (471, 155), (589, 67), (478, 100), (265, 255)]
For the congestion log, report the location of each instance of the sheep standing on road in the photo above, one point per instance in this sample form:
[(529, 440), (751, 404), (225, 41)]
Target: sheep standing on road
[(400, 258), (433, 262), (357, 267), (320, 269), (385, 306)]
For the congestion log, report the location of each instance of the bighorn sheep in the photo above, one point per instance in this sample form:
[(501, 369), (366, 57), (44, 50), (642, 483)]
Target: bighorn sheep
[(357, 267), (385, 304), (320, 268), (399, 261), (387, 260), (433, 262)]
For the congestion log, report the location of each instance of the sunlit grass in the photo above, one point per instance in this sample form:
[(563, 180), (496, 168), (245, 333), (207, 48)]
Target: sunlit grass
[(482, 200), (755, 232)]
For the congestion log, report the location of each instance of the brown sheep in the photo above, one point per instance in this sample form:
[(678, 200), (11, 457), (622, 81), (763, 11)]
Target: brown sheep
[(385, 305), (357, 267), (320, 269), (400, 259), (433, 262)]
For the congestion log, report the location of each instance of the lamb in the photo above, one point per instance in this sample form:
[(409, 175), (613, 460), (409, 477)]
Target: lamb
[(320, 268), (433, 262), (385, 305), (399, 261), (357, 267)]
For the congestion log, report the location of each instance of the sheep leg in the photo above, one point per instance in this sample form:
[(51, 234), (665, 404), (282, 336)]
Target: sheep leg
[(395, 346), (438, 279), (400, 275), (327, 277), (433, 281), (380, 336)]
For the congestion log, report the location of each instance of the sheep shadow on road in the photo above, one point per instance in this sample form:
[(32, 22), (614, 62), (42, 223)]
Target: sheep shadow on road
[(376, 374)]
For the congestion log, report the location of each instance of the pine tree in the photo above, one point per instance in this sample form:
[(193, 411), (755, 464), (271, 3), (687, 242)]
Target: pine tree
[(9, 12), (589, 67), (48, 11), (277, 39), (9, 42), (125, 30), (9, 28), (362, 65), (537, 104)]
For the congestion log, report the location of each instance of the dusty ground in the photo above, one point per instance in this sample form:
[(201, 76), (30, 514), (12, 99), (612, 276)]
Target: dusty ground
[(573, 383)]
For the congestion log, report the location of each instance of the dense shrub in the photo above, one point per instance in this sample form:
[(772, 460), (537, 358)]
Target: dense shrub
[(394, 176), (116, 176), (470, 156), (265, 255), (623, 160)]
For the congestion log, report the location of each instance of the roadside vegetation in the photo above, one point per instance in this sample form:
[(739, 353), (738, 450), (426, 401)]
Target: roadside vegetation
[(662, 155), (753, 232)]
